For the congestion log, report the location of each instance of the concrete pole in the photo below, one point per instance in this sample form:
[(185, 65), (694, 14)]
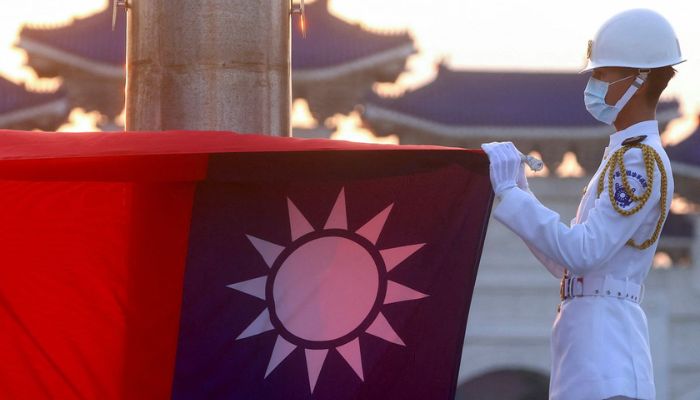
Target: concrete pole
[(209, 65)]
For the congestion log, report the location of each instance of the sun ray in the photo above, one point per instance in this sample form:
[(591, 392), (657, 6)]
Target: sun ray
[(261, 324), (338, 218), (381, 329), (254, 287), (351, 353), (269, 251), (282, 349), (297, 222), (372, 229), (395, 292), (314, 363), (395, 256)]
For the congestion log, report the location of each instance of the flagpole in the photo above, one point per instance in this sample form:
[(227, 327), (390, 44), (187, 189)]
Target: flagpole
[(209, 65)]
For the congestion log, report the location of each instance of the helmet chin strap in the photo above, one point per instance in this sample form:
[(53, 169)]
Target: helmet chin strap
[(638, 82)]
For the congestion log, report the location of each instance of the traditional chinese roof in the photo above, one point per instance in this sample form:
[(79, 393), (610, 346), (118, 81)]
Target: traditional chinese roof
[(464, 98), (330, 41), (19, 107), (16, 97), (88, 42)]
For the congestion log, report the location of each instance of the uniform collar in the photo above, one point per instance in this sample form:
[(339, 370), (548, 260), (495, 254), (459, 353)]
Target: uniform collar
[(649, 128)]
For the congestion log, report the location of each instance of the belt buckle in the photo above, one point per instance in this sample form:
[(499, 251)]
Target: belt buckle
[(567, 287)]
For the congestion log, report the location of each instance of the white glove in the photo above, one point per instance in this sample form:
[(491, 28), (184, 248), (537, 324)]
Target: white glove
[(505, 164)]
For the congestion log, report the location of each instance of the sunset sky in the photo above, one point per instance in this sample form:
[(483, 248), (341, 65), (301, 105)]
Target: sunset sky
[(534, 35)]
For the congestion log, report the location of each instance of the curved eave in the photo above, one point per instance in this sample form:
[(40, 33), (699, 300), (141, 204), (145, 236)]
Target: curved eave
[(57, 107), (63, 57), (373, 61), (374, 113), (370, 62)]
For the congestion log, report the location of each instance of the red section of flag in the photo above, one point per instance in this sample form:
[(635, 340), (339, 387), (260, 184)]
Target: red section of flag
[(90, 287), (41, 145)]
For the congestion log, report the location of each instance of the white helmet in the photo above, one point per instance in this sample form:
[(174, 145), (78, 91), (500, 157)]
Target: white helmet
[(638, 38)]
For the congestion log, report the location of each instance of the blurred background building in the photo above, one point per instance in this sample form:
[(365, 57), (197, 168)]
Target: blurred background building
[(342, 75)]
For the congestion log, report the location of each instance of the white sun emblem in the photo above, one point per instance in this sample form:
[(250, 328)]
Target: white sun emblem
[(326, 288)]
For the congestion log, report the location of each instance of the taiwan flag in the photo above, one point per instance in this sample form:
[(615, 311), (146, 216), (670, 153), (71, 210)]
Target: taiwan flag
[(212, 265)]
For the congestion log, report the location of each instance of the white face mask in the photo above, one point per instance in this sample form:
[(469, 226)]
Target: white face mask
[(594, 97)]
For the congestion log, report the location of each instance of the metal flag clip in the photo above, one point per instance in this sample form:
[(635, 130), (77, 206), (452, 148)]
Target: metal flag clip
[(299, 9), (115, 4), (534, 163)]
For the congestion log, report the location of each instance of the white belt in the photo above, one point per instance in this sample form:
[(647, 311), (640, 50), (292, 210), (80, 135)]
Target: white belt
[(601, 286)]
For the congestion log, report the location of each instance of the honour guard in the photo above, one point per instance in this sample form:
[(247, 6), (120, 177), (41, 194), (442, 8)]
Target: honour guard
[(600, 340)]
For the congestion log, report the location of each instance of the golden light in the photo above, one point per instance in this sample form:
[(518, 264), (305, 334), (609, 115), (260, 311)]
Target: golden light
[(569, 167), (679, 129), (302, 25), (681, 205), (81, 121), (420, 70), (349, 127), (301, 115), (120, 120), (662, 260), (47, 13)]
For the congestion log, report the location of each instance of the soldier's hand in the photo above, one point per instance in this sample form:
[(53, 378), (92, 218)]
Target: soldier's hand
[(505, 164)]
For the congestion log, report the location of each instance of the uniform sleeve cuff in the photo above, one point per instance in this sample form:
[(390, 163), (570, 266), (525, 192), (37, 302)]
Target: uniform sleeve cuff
[(511, 199)]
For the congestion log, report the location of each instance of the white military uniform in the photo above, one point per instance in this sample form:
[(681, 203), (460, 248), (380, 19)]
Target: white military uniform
[(599, 344)]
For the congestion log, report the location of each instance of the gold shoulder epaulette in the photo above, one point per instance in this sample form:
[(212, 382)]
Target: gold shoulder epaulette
[(616, 161)]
